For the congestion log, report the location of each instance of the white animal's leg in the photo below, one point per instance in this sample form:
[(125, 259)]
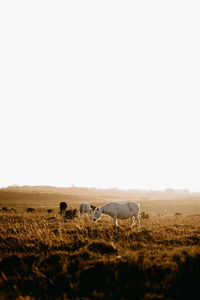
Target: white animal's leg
[(115, 222), (138, 221), (132, 221)]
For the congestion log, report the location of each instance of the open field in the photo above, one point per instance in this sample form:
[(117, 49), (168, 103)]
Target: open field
[(45, 256)]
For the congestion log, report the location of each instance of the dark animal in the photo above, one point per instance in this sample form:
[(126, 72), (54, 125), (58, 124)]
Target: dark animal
[(63, 206)]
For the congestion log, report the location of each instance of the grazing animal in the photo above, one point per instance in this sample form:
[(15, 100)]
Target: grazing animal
[(119, 211), (63, 206), (85, 208)]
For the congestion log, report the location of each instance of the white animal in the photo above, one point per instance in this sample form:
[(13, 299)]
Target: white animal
[(119, 211), (85, 208)]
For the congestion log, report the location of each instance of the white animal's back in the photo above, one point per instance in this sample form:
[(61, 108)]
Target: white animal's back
[(85, 208)]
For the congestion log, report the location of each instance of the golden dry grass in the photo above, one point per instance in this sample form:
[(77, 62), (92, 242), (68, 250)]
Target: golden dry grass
[(45, 256)]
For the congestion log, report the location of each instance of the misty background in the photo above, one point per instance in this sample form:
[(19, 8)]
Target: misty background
[(100, 94)]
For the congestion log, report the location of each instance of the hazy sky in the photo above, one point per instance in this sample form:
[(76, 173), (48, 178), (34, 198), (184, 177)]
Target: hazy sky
[(100, 93)]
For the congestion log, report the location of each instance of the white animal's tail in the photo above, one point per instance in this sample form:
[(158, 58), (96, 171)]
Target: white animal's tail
[(138, 208), (138, 215)]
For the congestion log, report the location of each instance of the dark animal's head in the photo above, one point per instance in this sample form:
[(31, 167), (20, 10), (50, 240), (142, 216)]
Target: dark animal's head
[(63, 206)]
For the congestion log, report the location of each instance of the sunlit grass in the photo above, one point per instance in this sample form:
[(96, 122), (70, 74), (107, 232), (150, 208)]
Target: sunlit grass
[(46, 256)]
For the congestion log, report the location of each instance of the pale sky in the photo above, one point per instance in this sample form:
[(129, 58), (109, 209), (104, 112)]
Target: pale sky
[(100, 93)]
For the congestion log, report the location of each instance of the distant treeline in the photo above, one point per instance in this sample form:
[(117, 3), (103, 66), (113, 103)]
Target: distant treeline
[(83, 191)]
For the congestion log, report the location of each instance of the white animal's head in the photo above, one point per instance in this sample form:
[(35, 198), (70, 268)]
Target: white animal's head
[(97, 214)]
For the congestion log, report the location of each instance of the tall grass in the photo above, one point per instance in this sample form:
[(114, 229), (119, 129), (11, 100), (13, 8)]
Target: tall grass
[(46, 256)]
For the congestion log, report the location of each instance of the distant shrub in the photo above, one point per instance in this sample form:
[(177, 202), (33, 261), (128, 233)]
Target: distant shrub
[(178, 214), (30, 209), (144, 215), (12, 210), (50, 211), (102, 247), (4, 208), (71, 214)]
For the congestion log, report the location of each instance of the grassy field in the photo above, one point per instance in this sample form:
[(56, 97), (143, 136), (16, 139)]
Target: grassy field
[(46, 256)]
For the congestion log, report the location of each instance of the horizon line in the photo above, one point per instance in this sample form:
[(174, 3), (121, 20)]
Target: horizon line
[(187, 190)]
